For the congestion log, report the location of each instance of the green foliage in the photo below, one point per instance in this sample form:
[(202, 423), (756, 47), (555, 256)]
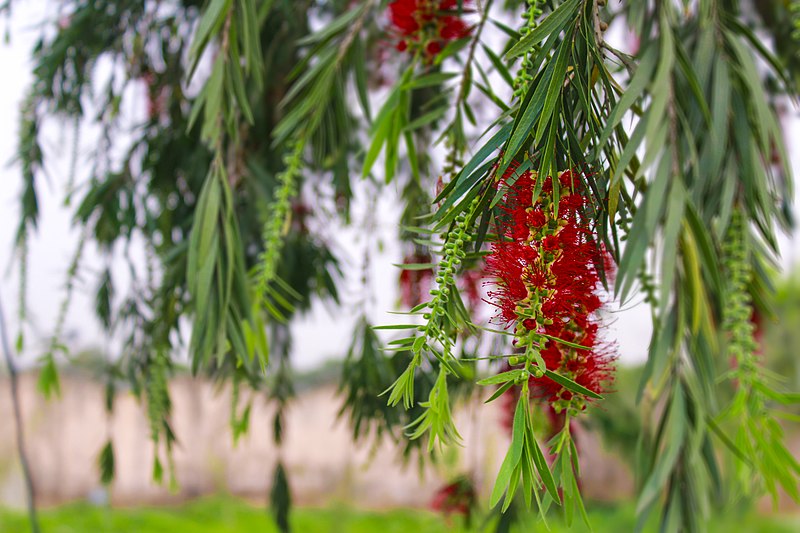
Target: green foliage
[(436, 420), (365, 373), (168, 183), (697, 72), (48, 379), (217, 278), (281, 499), (524, 76), (228, 515), (526, 460), (683, 156), (159, 405), (273, 235), (445, 315), (759, 437), (105, 462), (779, 333)]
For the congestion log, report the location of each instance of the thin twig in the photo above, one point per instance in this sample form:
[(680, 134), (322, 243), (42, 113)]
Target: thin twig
[(23, 457), (354, 29), (598, 28), (623, 57), (462, 91)]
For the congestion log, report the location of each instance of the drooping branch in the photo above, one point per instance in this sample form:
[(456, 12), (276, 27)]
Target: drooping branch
[(30, 491)]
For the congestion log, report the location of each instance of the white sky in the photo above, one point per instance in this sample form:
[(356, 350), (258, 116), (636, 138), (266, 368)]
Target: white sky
[(322, 334)]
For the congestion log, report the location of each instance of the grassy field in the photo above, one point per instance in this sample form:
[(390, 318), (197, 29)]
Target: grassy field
[(227, 515)]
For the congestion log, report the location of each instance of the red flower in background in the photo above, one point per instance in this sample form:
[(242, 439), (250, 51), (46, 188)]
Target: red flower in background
[(470, 286), (426, 25), (456, 497), (415, 284), (548, 274)]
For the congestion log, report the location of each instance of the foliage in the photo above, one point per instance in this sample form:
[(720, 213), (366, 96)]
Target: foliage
[(259, 126), (228, 515)]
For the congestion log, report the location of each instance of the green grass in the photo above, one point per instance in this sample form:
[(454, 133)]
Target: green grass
[(228, 515)]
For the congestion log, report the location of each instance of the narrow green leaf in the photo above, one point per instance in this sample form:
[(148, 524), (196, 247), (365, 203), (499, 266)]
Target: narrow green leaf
[(415, 266), (429, 80), (514, 453), (211, 21), (553, 23), (571, 385), (542, 468), (549, 113), (503, 377), (500, 391)]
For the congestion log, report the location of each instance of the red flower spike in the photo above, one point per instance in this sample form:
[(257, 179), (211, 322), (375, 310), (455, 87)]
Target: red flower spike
[(547, 272), (427, 25), (456, 497), (550, 243), (415, 284), (537, 219), (433, 48), (470, 286)]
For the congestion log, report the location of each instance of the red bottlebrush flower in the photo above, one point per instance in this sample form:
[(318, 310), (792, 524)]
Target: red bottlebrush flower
[(300, 212), (567, 179), (427, 25), (415, 284), (433, 48), (548, 274), (456, 497), (157, 96), (758, 329), (453, 28), (550, 243), (537, 219), (403, 14), (470, 286)]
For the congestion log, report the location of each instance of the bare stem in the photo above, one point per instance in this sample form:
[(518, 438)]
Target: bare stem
[(23, 457)]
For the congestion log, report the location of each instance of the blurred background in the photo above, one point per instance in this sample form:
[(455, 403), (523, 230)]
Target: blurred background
[(223, 484)]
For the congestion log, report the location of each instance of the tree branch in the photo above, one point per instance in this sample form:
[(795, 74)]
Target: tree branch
[(23, 457)]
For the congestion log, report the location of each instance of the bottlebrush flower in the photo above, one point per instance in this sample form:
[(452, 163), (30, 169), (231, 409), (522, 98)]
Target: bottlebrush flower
[(456, 497), (470, 287), (426, 25), (415, 284), (548, 274)]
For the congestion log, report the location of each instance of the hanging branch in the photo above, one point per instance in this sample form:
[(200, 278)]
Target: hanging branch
[(560, 178), (537, 119), (29, 155), (311, 97), (216, 272), (20, 430), (702, 156)]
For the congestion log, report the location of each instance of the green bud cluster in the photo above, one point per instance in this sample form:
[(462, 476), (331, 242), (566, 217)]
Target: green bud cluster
[(738, 309), (648, 287), (646, 282), (524, 76), (272, 234), (794, 9), (453, 161), (157, 395), (455, 241), (47, 386)]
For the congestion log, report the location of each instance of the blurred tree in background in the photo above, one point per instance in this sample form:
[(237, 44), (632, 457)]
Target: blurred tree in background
[(540, 167)]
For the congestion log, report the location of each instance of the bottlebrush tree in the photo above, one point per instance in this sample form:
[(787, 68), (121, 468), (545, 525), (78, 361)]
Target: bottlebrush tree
[(544, 173)]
